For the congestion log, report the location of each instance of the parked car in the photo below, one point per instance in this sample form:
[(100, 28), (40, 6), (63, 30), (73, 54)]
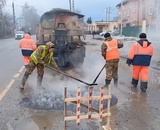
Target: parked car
[(96, 32), (102, 33), (115, 33), (19, 34)]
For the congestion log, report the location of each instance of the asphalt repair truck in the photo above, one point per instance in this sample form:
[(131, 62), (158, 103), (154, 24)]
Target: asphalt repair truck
[(66, 30)]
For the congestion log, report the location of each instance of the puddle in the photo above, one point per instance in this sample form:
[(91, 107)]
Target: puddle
[(35, 123), (28, 126), (50, 122)]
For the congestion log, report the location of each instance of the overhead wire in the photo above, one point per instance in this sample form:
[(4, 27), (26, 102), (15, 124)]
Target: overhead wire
[(101, 15)]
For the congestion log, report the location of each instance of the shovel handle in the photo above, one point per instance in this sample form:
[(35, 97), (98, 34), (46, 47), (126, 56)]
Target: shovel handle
[(70, 76), (99, 73)]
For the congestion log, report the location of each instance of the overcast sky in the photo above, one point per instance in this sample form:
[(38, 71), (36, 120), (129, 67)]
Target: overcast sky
[(96, 9)]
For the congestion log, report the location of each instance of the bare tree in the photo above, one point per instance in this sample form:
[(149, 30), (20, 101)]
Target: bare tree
[(2, 4), (8, 24), (31, 18)]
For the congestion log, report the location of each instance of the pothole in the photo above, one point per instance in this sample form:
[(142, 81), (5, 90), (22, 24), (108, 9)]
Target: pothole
[(47, 100)]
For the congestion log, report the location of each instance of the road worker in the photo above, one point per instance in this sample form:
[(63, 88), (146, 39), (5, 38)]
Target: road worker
[(109, 50), (27, 46), (140, 56), (40, 58)]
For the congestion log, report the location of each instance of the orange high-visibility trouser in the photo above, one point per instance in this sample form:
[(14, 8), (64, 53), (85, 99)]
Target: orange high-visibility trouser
[(26, 60), (140, 72)]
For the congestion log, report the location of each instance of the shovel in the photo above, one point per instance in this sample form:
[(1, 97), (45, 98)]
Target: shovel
[(71, 76), (99, 73)]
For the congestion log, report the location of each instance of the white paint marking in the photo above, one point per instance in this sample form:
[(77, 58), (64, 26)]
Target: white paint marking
[(21, 69), (10, 84), (6, 89), (19, 72), (16, 75)]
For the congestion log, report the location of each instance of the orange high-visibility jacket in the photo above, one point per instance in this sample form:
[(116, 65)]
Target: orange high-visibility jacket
[(112, 49), (140, 53), (27, 45)]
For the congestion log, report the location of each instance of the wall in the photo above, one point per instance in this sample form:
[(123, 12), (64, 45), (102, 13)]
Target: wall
[(135, 11), (101, 25)]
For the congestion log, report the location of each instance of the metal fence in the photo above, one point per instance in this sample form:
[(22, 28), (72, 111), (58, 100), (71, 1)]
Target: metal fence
[(132, 31)]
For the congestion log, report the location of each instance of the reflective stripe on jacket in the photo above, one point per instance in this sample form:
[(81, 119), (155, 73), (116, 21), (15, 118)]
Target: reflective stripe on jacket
[(140, 53), (34, 58), (112, 49)]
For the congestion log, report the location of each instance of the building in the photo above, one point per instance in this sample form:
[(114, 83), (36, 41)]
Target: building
[(102, 26), (143, 14)]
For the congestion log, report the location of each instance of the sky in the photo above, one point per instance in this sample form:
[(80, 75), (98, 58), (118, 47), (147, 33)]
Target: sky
[(96, 9)]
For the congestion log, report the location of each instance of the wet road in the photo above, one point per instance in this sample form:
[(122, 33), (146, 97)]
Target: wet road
[(134, 110), (10, 61)]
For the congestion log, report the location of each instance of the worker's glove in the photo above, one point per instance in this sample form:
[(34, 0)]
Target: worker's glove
[(104, 56), (129, 65), (44, 64), (129, 62)]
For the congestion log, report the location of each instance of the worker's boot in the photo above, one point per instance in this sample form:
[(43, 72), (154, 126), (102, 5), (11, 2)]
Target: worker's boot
[(25, 77), (107, 82), (115, 82), (39, 80), (143, 86), (134, 82)]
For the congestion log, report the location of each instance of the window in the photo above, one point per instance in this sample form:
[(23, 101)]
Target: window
[(128, 25), (128, 13), (150, 12), (119, 16), (100, 28), (124, 14), (134, 10)]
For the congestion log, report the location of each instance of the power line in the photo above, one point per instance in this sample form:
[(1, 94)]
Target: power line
[(113, 11)]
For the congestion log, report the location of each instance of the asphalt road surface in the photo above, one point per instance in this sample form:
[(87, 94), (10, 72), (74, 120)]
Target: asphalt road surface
[(27, 111)]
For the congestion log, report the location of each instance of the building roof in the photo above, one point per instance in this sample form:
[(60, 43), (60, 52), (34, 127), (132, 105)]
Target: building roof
[(124, 2), (107, 21)]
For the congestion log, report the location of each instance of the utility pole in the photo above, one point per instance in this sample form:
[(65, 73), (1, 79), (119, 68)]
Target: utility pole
[(157, 15), (106, 18), (109, 18), (121, 17), (14, 21), (144, 16), (72, 5)]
